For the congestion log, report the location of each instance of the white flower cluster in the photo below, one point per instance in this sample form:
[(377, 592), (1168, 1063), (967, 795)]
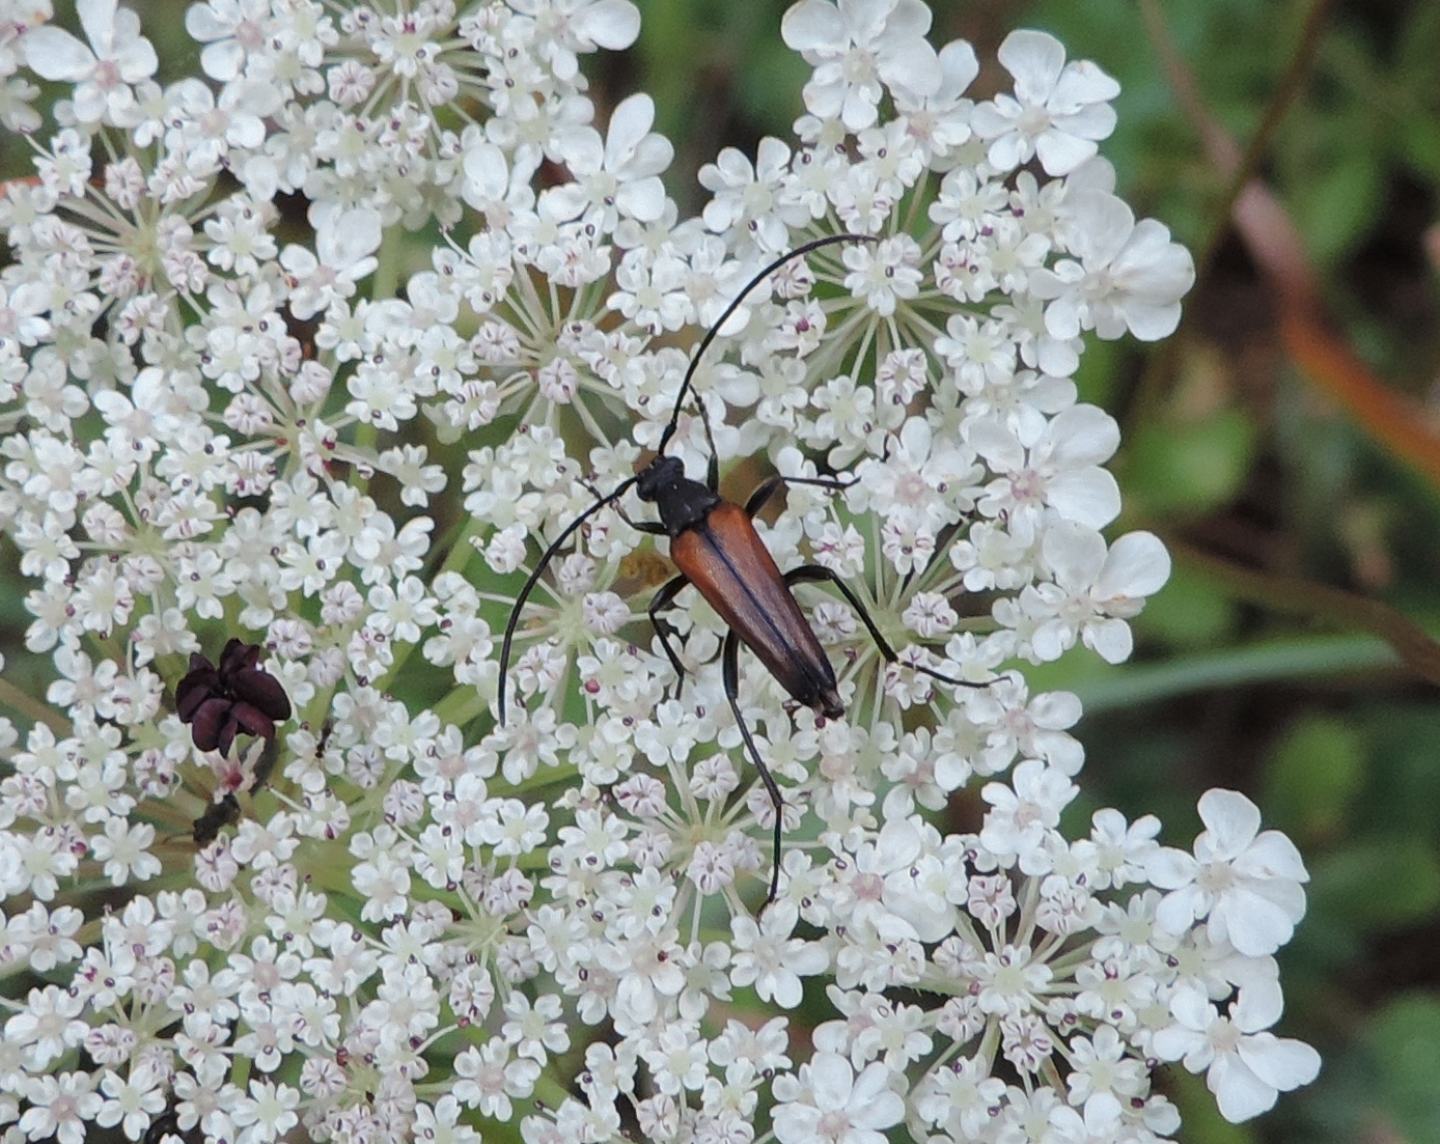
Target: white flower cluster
[(234, 405)]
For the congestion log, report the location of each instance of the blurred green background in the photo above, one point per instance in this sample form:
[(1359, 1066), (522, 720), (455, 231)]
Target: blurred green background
[(1288, 448)]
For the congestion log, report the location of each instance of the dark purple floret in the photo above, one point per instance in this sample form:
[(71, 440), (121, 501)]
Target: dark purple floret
[(237, 698)]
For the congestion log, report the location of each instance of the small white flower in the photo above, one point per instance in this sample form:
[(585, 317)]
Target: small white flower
[(858, 46), (770, 959), (940, 121), (572, 26), (1245, 883), (1094, 590), (104, 72), (751, 198), (1245, 1067), (345, 245), (1056, 466), (615, 176), (828, 1104), (60, 1106), (884, 273), (1023, 811), (229, 29), (1059, 111), (1129, 276)]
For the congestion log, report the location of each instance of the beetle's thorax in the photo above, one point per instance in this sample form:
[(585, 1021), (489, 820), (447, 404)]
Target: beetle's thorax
[(681, 502)]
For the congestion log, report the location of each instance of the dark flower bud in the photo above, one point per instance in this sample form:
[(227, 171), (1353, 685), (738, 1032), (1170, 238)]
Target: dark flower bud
[(238, 697)]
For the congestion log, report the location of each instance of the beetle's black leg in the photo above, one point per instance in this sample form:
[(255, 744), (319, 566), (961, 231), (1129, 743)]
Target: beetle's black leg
[(654, 528), (534, 577), (766, 488), (665, 629), (731, 670), (638, 525), (808, 573), (712, 470)]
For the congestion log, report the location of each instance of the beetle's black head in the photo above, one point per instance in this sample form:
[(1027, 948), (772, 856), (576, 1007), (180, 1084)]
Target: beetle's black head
[(661, 473)]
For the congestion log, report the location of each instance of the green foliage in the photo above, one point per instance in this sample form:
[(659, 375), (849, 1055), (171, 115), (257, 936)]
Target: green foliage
[(1313, 776), (1405, 1041), (1191, 612), (1186, 470), (1378, 884)]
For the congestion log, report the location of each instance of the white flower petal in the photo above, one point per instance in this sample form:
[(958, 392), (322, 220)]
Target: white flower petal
[(1137, 565), (1258, 920), (1035, 60), (868, 1107), (831, 1078), (1083, 435), (97, 17), (1083, 82), (1281, 1062), (1231, 822), (1073, 553), (1110, 639), (814, 26), (629, 123), (643, 200), (1169, 868), (1272, 855), (913, 67), (55, 54), (1239, 1093), (1061, 153), (609, 24), (1150, 322), (1089, 496)]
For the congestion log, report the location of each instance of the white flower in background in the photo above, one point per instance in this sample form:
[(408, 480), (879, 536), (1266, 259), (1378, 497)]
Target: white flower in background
[(858, 46), (767, 957), (1129, 276), (828, 1102), (753, 198), (617, 176), (1059, 111), (564, 28), (1247, 884), (345, 246), (226, 418), (104, 71), (1050, 466), (1244, 1066), (229, 29), (1095, 590)]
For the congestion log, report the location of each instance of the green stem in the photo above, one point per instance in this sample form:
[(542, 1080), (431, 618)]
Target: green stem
[(27, 705), (1128, 687)]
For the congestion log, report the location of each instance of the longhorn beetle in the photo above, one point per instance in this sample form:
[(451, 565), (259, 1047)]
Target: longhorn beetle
[(714, 544)]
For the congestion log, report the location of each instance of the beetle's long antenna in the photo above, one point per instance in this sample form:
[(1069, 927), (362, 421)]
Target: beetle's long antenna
[(535, 577), (714, 331)]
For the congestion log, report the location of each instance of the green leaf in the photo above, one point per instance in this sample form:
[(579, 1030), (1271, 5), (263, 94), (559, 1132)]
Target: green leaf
[(1101, 687), (1418, 140), (1189, 469), (1379, 884), (1313, 776), (1417, 114), (1192, 611), (1405, 788), (1405, 1039), (1337, 206)]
